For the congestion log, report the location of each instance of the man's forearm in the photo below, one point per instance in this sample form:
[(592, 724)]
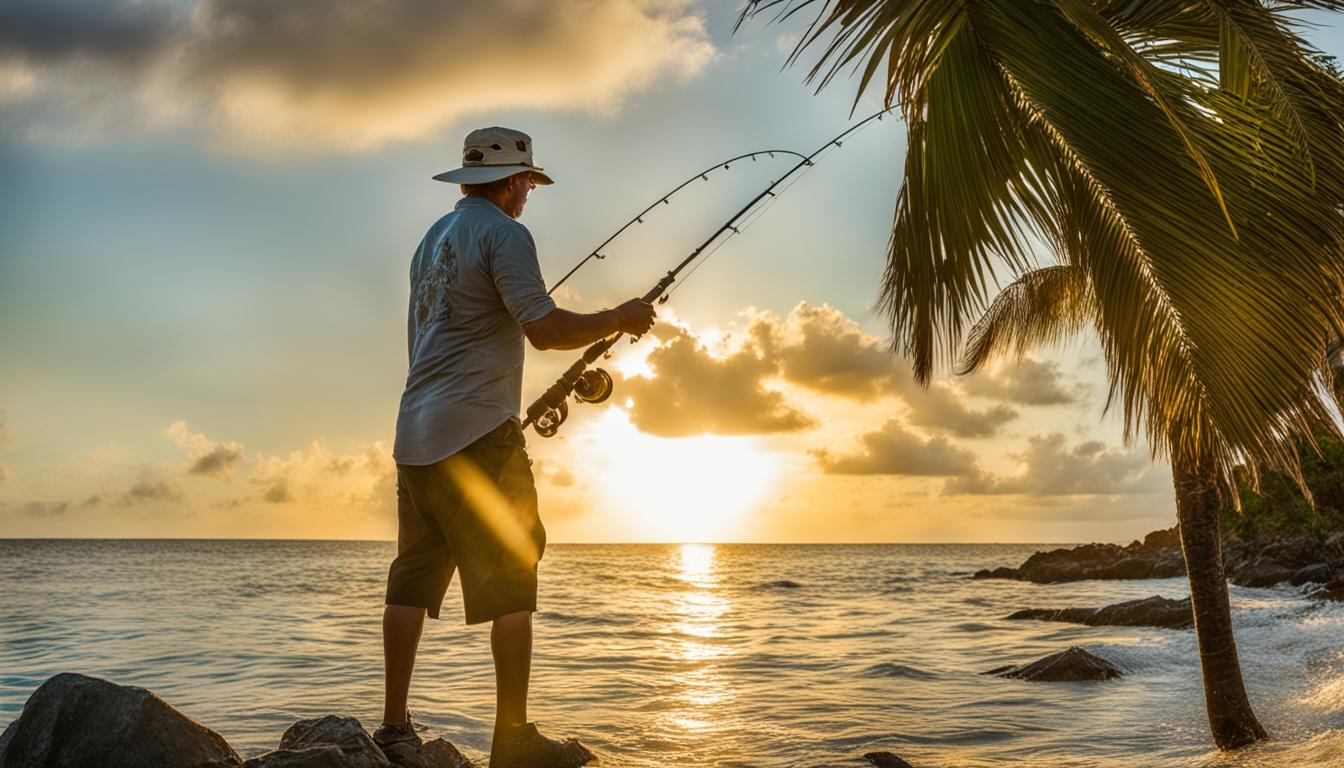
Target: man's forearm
[(562, 329)]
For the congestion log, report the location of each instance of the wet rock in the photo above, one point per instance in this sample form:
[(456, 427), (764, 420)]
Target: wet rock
[(441, 754), (74, 721), (1095, 561), (886, 760), (1155, 611), (1318, 573), (1263, 572), (1069, 665), (431, 754), (313, 757), (1249, 563), (353, 747), (1334, 590)]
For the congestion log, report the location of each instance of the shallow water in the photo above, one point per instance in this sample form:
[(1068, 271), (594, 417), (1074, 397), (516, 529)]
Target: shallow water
[(731, 655)]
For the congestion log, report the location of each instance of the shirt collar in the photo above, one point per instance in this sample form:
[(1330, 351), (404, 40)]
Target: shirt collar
[(472, 201)]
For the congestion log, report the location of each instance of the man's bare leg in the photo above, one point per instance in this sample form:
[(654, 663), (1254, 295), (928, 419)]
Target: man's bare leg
[(401, 637), (511, 643)]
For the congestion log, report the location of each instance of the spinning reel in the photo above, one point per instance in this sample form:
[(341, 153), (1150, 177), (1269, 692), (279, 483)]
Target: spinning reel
[(551, 409)]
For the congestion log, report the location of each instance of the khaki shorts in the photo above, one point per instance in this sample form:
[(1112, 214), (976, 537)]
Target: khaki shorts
[(474, 512)]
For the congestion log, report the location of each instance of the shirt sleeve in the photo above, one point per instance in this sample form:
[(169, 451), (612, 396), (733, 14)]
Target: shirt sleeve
[(517, 275)]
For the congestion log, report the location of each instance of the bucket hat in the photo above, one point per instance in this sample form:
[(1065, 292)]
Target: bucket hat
[(490, 154)]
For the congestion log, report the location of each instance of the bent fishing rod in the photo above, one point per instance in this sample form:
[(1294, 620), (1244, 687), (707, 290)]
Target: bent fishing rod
[(550, 410)]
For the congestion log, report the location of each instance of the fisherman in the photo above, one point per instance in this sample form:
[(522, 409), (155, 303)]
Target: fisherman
[(466, 499)]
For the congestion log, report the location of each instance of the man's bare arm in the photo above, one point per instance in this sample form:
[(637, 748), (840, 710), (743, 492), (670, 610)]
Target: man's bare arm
[(562, 329)]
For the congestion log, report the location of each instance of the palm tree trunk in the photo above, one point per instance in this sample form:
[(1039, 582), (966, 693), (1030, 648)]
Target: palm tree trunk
[(1198, 510)]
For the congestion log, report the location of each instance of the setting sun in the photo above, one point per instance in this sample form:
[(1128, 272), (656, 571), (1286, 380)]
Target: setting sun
[(688, 489)]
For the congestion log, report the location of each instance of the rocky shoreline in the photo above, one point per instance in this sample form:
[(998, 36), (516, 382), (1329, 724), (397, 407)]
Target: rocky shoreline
[(1297, 560)]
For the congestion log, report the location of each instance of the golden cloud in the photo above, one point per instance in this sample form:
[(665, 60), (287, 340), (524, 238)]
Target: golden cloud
[(333, 74)]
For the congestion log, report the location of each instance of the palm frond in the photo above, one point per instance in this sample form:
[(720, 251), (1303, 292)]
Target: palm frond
[(1043, 306)]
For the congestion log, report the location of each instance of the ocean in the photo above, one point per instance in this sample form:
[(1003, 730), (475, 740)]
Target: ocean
[(675, 655)]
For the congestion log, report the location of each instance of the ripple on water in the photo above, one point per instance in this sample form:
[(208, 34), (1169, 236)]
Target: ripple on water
[(664, 655)]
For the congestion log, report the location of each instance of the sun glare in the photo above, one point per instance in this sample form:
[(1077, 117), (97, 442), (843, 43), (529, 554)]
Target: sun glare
[(687, 489)]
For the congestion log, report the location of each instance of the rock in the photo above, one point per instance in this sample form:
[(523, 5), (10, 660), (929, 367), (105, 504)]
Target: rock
[(344, 733), (1318, 572), (1163, 539), (74, 721), (431, 754), (1070, 665), (1155, 611), (1248, 562), (886, 760), (1331, 591), (441, 754), (1263, 572), (313, 757)]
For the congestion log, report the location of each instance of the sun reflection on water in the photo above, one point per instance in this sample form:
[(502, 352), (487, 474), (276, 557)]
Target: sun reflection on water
[(696, 642)]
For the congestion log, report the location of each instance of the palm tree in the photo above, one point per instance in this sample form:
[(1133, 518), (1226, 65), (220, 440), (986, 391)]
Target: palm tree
[(1182, 161)]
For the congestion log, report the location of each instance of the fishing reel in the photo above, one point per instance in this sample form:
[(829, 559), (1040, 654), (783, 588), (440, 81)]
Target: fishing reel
[(548, 422), (593, 386)]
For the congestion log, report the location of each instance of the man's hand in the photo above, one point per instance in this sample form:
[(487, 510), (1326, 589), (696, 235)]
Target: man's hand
[(635, 317)]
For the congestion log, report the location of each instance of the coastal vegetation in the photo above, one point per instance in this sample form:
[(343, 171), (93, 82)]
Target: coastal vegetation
[(1183, 165)]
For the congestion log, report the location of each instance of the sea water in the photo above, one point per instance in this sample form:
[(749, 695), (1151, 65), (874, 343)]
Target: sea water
[(676, 655)]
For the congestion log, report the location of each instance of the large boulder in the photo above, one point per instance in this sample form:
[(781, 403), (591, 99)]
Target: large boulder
[(74, 721), (1155, 611), (1066, 666)]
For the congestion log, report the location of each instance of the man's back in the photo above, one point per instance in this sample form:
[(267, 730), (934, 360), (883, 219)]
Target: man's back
[(474, 282)]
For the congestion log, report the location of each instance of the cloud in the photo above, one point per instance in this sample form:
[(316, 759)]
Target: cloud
[(45, 508), (1026, 382), (149, 489), (203, 456), (693, 392), (1051, 468), (278, 493), (335, 73), (942, 408), (821, 349), (365, 480), (562, 478), (818, 347), (894, 450)]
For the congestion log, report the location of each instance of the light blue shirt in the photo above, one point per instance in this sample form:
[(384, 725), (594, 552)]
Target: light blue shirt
[(475, 282)]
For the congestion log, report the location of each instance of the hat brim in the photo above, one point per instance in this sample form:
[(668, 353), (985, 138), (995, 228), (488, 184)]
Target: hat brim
[(484, 174)]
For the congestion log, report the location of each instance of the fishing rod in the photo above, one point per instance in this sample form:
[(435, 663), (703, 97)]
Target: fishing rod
[(665, 200), (550, 410)]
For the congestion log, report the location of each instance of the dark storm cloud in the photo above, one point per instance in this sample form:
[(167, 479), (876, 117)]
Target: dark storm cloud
[(894, 450)]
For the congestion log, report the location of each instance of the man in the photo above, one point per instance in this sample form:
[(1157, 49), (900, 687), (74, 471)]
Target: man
[(466, 500)]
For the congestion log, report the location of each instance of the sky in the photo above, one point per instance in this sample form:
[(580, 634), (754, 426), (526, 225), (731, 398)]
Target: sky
[(207, 214)]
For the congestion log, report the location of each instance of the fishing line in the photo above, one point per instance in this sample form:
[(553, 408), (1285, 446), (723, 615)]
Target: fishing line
[(756, 214), (548, 412), (666, 200)]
